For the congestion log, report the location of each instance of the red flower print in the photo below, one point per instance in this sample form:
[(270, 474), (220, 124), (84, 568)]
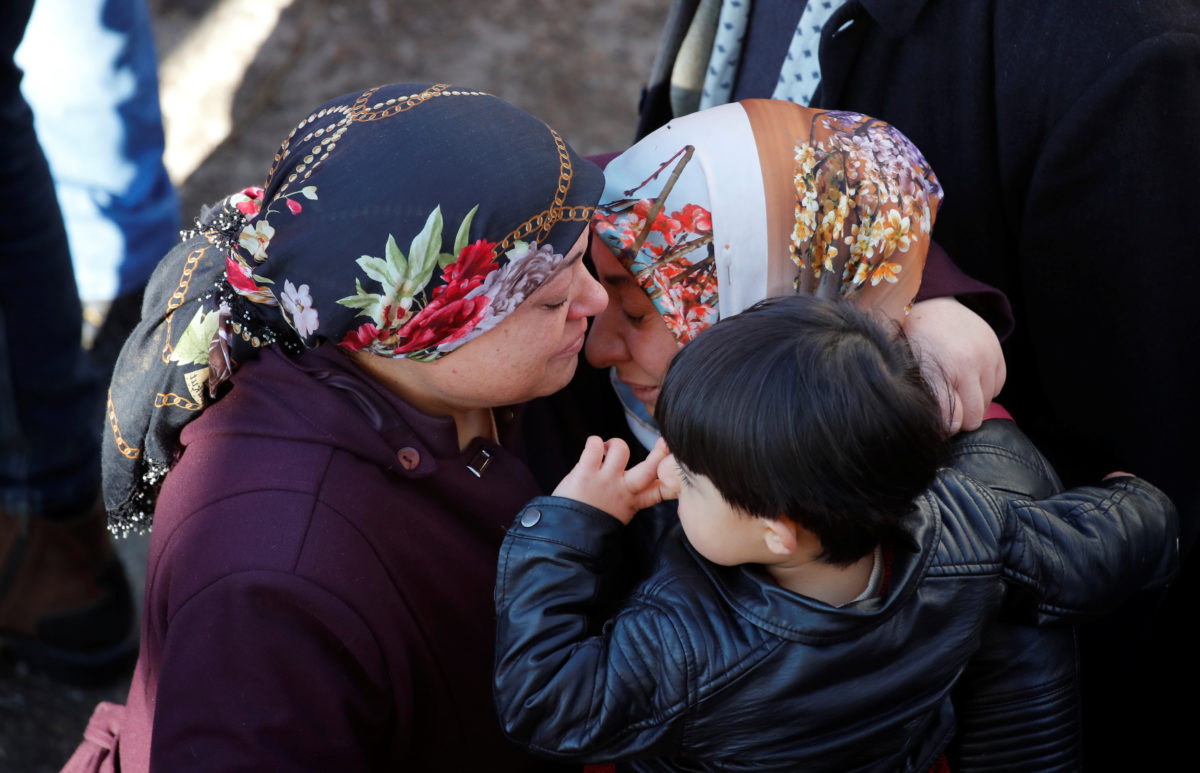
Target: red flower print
[(441, 322), (252, 203), (239, 276), (361, 337), (293, 206), (669, 227), (619, 232), (694, 218), (474, 263), (450, 315)]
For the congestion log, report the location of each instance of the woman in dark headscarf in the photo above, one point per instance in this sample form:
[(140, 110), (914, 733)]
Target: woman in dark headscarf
[(310, 412)]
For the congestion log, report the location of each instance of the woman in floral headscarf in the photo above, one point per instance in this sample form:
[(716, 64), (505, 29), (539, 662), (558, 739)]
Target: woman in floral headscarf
[(309, 414), (723, 208), (757, 199)]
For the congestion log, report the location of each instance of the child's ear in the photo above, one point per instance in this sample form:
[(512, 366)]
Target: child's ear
[(779, 535)]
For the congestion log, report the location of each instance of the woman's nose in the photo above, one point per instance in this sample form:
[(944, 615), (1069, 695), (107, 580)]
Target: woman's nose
[(592, 297), (605, 345)]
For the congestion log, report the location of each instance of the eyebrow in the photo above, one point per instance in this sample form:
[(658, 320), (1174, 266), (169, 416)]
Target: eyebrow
[(617, 279), (560, 269)]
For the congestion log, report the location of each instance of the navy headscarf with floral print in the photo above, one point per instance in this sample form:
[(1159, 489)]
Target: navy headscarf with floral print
[(404, 221)]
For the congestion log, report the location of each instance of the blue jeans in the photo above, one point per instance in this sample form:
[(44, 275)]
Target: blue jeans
[(91, 77), (49, 399)]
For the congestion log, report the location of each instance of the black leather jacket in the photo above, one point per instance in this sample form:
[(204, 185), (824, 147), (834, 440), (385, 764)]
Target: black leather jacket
[(709, 667)]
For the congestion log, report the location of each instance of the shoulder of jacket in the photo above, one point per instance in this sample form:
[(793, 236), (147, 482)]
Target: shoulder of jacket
[(972, 525)]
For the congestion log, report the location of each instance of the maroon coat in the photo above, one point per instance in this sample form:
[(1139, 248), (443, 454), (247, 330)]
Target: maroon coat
[(319, 591)]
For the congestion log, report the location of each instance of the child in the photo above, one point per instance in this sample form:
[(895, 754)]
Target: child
[(827, 582)]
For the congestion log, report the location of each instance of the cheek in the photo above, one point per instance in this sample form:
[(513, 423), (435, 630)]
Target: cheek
[(653, 351), (543, 357), (651, 345), (606, 341), (517, 360), (689, 515), (699, 534)]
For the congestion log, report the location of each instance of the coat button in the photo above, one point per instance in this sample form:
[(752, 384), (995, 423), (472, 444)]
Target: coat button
[(409, 457), (530, 518)]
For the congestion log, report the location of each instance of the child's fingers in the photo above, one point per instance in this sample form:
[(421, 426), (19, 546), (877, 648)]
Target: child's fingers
[(592, 454), (616, 456), (659, 452), (644, 474), (668, 478), (653, 494), (578, 482)]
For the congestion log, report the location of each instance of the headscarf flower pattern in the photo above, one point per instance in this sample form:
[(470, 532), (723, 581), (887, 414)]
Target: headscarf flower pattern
[(401, 324), (388, 224), (863, 194), (668, 252), (726, 207)]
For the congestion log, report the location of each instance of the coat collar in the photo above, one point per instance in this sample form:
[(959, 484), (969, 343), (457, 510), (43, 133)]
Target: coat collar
[(363, 417), (794, 617)]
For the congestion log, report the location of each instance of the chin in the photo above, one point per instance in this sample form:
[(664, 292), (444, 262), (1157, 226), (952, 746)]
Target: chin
[(558, 375)]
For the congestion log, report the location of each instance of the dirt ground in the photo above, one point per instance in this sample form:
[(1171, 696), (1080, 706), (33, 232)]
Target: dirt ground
[(237, 76)]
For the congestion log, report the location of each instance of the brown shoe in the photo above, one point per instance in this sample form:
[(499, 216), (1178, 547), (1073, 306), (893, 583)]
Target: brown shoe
[(65, 605)]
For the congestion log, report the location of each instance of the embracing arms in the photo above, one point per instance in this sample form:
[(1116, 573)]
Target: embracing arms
[(1066, 557), (1087, 549)]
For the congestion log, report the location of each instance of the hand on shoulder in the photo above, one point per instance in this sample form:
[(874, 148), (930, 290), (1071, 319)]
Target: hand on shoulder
[(960, 357)]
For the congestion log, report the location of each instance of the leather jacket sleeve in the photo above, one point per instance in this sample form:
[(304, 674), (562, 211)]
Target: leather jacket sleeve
[(1077, 554), (563, 687), (1017, 703), (1087, 549)]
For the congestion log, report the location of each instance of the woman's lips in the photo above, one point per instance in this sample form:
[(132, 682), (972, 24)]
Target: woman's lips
[(644, 393), (573, 348)]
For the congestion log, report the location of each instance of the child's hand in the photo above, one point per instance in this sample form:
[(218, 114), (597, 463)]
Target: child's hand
[(950, 336), (600, 479), (669, 477)]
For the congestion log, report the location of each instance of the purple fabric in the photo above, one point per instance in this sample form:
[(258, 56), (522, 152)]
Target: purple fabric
[(943, 279), (311, 602)]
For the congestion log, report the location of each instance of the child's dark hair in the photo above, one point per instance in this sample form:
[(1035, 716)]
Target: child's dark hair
[(807, 408)]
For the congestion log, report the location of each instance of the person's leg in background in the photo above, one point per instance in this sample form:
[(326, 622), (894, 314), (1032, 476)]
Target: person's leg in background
[(64, 599), (91, 78)]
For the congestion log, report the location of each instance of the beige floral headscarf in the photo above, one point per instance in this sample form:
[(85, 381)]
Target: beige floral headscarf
[(723, 208)]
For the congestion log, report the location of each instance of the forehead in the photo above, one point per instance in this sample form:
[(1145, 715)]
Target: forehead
[(563, 271), (615, 277), (610, 271)]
